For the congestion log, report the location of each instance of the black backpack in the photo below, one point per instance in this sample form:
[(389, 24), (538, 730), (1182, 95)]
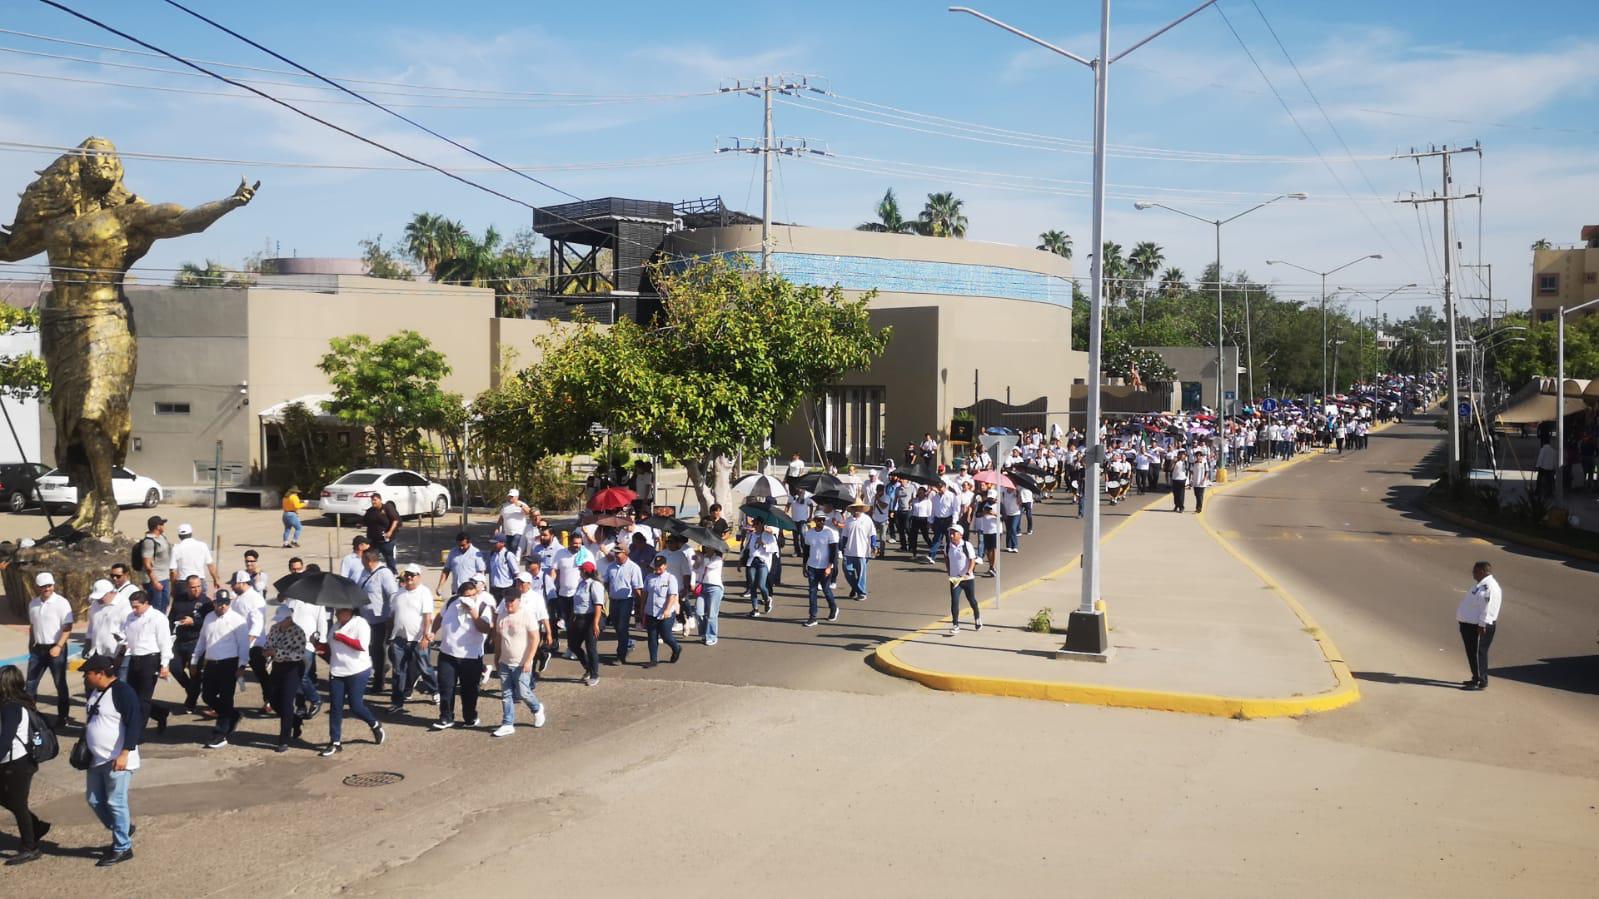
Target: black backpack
[(42, 745), (137, 556)]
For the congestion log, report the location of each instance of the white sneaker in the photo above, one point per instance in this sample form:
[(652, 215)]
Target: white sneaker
[(954, 629), (505, 730), (538, 717), (979, 624)]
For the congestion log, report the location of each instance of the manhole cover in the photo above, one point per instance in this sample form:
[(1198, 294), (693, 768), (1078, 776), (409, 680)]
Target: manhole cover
[(374, 779)]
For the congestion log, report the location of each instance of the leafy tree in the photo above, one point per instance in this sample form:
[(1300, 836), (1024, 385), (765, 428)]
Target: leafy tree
[(23, 376), (889, 218), (731, 354), (513, 270), (1541, 243), (430, 239), (942, 216), (1518, 361), (384, 263), (390, 387), (1119, 357), (1057, 242), (1113, 267), (212, 274), (1171, 281)]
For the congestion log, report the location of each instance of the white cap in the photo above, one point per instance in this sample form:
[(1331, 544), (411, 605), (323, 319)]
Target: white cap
[(481, 578), (957, 529), (185, 529), (525, 578), (241, 577), (412, 568), (101, 588), (26, 542), (513, 493), (45, 579)]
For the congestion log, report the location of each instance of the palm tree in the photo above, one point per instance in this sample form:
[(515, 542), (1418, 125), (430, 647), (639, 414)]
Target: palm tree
[(889, 219), (431, 239), (1057, 242), (1113, 267), (476, 263), (1541, 243), (1145, 260), (1171, 281), (942, 216), (212, 274)]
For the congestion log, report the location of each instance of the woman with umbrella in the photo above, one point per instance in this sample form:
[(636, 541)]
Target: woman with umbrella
[(349, 669), (760, 551)]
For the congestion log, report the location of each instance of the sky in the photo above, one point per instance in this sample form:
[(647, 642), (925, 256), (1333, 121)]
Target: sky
[(622, 99)]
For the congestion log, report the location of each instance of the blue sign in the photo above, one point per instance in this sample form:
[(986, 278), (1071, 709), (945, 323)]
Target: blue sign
[(1228, 395), (1465, 410), (1268, 404)]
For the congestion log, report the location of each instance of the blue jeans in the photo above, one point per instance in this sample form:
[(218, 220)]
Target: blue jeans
[(39, 661), (351, 687), (710, 608), (1013, 524), (160, 596), (817, 577), (756, 572), (516, 686), (291, 526), (107, 795), (659, 630), (410, 666), (855, 573)]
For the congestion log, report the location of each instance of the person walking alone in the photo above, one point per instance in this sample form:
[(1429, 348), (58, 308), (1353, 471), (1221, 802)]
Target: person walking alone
[(112, 732), (1478, 616), (962, 564), (292, 504), (349, 668), (17, 767)]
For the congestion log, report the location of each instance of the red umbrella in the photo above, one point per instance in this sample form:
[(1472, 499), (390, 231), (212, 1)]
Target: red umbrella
[(994, 477), (612, 498)]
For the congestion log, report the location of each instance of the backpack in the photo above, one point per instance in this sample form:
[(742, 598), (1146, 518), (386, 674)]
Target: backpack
[(137, 556), (42, 745)]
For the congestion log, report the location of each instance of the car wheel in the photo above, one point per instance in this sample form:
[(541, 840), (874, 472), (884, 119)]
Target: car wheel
[(151, 498), (18, 502), (440, 506)]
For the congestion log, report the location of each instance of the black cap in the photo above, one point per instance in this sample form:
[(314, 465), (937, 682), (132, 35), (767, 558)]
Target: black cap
[(154, 522), (99, 663)]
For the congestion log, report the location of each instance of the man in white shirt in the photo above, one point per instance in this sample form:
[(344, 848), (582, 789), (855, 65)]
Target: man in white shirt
[(565, 566), (410, 631), (251, 605), (821, 548), (223, 645), (106, 614), (624, 587), (112, 734), (945, 505), (857, 547), (122, 583), (796, 466), (961, 562), (519, 632), (463, 628), (1546, 469), (191, 556), (149, 641), (49, 628), (513, 520), (801, 508), (1478, 616)]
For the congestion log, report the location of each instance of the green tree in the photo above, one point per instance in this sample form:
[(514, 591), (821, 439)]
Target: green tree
[(514, 270), (942, 216), (430, 239), (384, 263), (212, 274), (889, 218), (1113, 267), (1145, 260), (1541, 243), (390, 387), (731, 354), (23, 376), (1057, 242), (1172, 281), (1120, 358)]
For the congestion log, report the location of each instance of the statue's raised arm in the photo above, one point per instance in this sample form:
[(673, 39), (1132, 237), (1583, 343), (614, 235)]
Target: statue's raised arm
[(159, 220)]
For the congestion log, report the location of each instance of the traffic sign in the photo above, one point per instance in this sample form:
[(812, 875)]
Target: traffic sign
[(1465, 410), (1268, 404), (1228, 395)]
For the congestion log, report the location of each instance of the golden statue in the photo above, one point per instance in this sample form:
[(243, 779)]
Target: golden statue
[(93, 230)]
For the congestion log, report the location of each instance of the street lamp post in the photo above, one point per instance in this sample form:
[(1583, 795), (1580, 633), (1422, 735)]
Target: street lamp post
[(1217, 223), (1087, 634), (1323, 277), (1376, 304), (1560, 397)]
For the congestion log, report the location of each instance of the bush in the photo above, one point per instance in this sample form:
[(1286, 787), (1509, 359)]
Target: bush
[(1042, 621), (550, 486)]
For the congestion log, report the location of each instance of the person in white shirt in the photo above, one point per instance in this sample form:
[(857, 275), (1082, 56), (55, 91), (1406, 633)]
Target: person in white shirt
[(800, 508), (1179, 480), (463, 628), (252, 605), (519, 631), (821, 550), (583, 630), (410, 632), (760, 550), (106, 613), (122, 582), (191, 556), (708, 577), (224, 643), (349, 668), (624, 589), (564, 565), (1478, 616), (513, 520), (796, 466), (945, 505), (857, 537), (49, 628), (1201, 479), (659, 610), (112, 733), (961, 563), (148, 636)]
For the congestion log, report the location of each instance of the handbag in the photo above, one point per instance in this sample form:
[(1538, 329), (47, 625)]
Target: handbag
[(80, 757)]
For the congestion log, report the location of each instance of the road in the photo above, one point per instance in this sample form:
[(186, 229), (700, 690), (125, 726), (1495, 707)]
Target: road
[(1343, 533)]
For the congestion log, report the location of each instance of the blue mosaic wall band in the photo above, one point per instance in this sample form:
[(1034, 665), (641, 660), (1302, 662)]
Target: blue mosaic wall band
[(918, 276)]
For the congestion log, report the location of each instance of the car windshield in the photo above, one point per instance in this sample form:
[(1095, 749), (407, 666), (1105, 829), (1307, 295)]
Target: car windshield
[(357, 478), (56, 473)]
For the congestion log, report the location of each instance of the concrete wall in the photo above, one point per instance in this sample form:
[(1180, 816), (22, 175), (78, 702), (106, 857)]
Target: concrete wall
[(1573, 266), (1198, 363), (24, 413), (513, 343)]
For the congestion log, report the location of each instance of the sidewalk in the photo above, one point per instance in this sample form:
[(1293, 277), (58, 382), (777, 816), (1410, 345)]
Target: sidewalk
[(1195, 627)]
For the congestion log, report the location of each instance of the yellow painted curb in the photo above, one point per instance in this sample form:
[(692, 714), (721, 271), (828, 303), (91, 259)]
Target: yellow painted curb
[(1344, 693), (1512, 537)]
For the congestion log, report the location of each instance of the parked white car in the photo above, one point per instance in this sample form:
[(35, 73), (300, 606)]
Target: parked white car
[(131, 489), (411, 493)]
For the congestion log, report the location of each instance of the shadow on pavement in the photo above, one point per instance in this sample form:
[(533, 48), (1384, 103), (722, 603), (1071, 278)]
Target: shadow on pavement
[(1384, 677), (1574, 674)]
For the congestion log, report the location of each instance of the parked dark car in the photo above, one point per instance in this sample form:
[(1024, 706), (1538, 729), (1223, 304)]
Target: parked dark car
[(16, 484)]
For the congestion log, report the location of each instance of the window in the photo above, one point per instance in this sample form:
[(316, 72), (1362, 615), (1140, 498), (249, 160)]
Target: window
[(853, 421), (405, 479), (1590, 277), (1548, 284), (1546, 316), (171, 408)]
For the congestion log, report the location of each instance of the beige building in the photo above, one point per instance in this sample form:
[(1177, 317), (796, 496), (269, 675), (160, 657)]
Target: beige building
[(1195, 368), (1565, 276), (971, 320)]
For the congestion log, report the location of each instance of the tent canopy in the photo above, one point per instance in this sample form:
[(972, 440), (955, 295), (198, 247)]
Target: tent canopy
[(1536, 408), (315, 403)]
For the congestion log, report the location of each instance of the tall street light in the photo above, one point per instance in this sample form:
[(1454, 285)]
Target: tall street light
[(1376, 313), (1323, 277), (1217, 223), (1087, 632), (1560, 397)]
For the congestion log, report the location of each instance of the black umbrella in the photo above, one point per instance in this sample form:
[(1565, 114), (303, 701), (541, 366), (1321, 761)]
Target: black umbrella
[(818, 482), (322, 588), (1033, 470), (769, 514), (838, 500), (665, 525), (1022, 480), (705, 537), (919, 474)]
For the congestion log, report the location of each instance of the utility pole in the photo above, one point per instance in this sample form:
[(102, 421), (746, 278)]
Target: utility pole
[(1486, 282), (768, 144), (1447, 153)]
